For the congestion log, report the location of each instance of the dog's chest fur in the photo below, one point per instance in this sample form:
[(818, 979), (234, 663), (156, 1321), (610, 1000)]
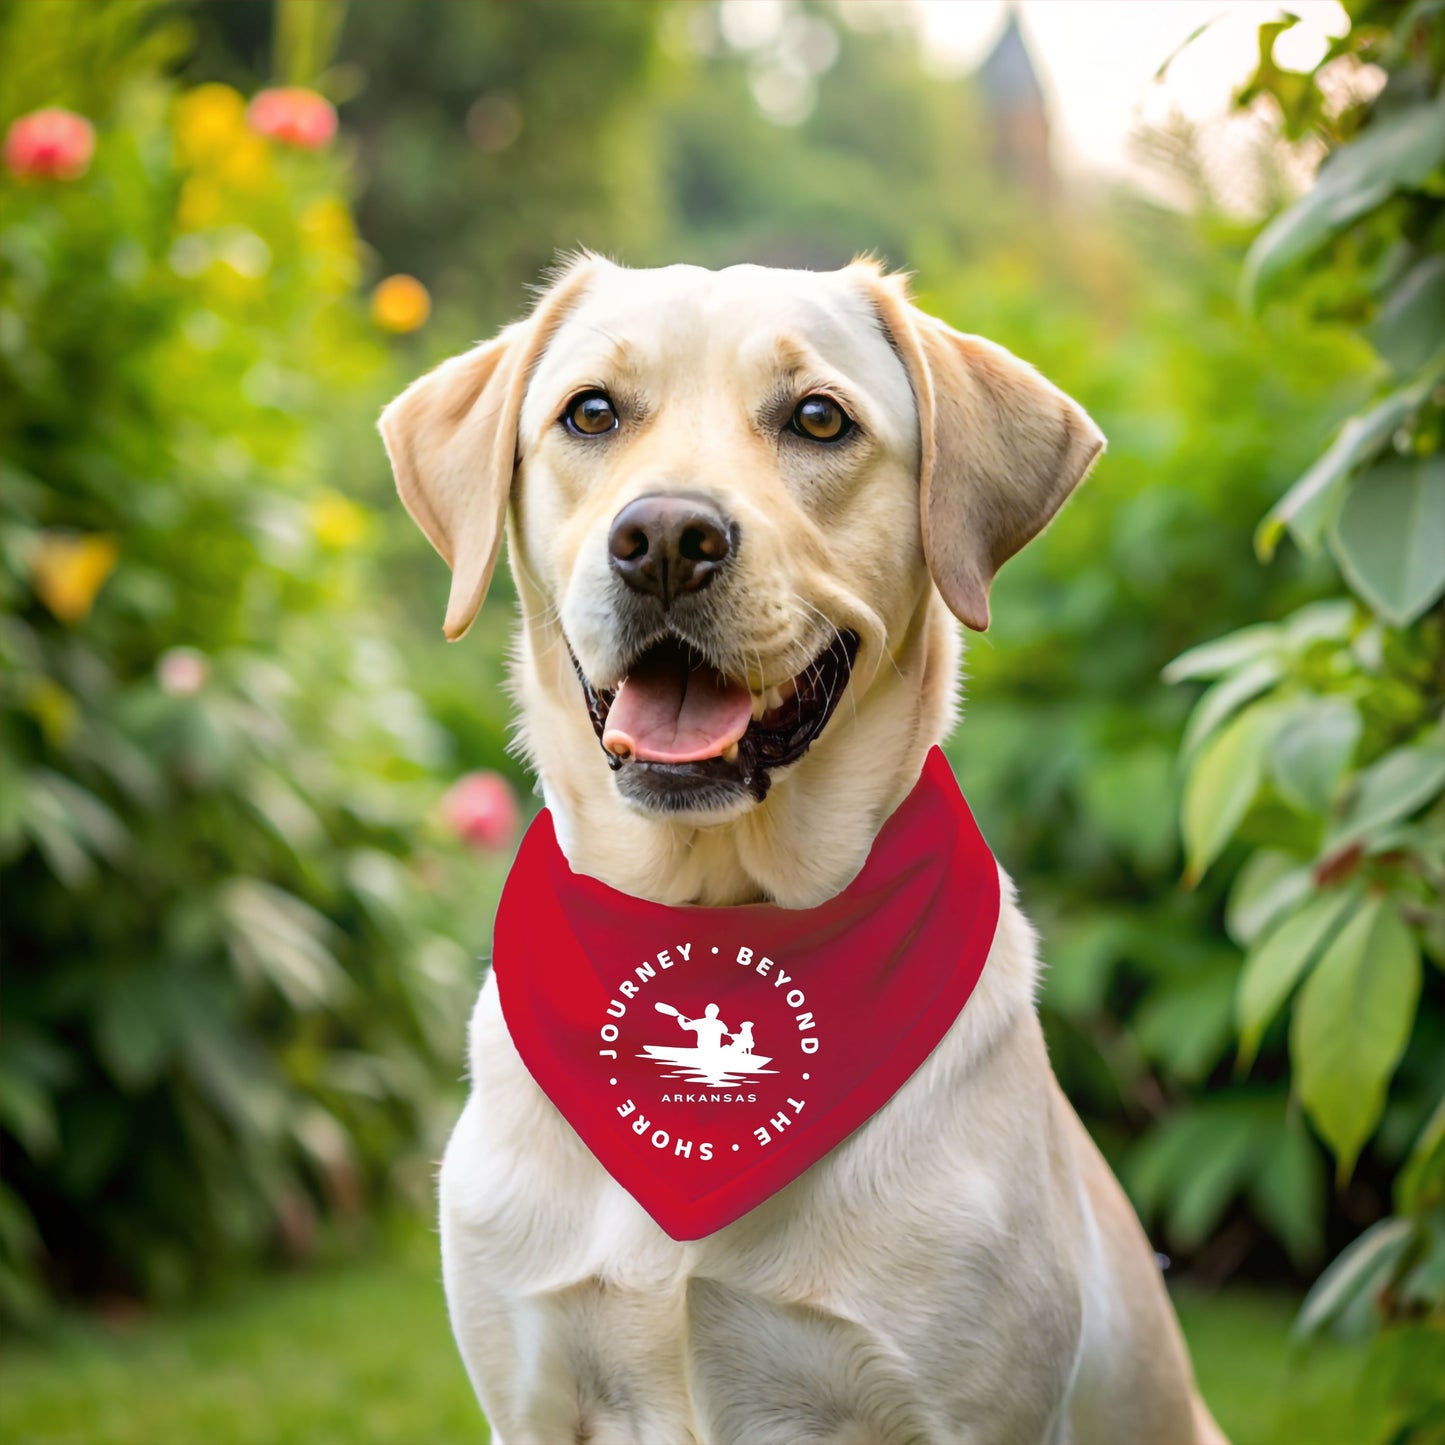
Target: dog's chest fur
[(848, 1307)]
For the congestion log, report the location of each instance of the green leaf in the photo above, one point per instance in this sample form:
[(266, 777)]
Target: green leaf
[(1267, 887), (1224, 654), (1184, 45), (28, 1112), (1290, 1191), (276, 936), (135, 1028), (1280, 960), (1083, 954), (1350, 1026), (70, 826), (1311, 751), (1130, 798), (238, 1077), (1215, 1177), (18, 1234), (1330, 621), (34, 1068), (1394, 152), (1422, 1286), (1361, 1268), (1227, 697), (1164, 1172), (1398, 785), (1421, 1183), (1389, 536), (1306, 509), (1183, 1026), (1410, 327), (1401, 1385), (1222, 783)]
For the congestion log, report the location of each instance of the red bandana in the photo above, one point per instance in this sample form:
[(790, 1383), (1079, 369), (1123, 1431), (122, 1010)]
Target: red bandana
[(707, 1056)]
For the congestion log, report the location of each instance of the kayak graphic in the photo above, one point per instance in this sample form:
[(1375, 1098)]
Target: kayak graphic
[(710, 1061)]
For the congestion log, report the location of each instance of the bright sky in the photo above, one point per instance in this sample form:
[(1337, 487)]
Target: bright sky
[(1097, 58)]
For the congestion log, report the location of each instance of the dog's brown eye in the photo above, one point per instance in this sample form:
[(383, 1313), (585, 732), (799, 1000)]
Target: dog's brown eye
[(591, 414), (821, 419)]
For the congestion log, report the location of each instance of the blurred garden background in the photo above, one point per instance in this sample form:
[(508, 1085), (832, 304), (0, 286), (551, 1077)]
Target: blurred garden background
[(254, 814)]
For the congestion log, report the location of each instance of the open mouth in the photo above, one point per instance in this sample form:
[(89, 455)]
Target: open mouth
[(683, 732)]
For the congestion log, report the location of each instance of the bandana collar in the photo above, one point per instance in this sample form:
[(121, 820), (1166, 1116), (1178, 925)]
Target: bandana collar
[(708, 1056)]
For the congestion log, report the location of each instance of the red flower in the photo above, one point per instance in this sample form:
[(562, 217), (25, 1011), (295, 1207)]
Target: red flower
[(56, 144), (294, 116), (481, 810)]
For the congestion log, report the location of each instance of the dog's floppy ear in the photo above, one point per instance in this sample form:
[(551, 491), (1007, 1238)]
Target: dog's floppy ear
[(1000, 449), (452, 440)]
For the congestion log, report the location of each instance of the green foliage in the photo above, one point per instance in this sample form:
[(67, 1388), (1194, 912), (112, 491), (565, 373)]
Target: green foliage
[(1066, 750), (1272, 970), (1389, 536), (1328, 764), (231, 966), (1352, 1022), (495, 136), (1399, 151)]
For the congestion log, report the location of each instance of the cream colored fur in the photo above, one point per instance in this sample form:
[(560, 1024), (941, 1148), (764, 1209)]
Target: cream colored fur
[(964, 1268)]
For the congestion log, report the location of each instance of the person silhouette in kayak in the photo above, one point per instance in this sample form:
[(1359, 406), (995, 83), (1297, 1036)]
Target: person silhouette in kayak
[(710, 1029)]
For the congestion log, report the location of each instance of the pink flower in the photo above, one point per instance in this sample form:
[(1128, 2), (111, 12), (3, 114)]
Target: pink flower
[(54, 144), (294, 116), (182, 671), (482, 811)]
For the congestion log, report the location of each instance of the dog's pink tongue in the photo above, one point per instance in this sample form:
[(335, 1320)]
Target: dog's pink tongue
[(667, 712)]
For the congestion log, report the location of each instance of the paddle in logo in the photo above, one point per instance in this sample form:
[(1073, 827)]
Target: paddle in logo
[(711, 1061)]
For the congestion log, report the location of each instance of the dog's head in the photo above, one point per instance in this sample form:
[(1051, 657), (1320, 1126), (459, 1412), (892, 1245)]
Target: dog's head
[(730, 495)]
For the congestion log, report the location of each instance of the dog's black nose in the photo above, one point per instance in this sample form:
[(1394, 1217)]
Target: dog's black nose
[(666, 545)]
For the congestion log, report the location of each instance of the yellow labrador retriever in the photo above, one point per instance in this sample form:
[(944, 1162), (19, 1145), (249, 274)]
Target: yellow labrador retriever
[(759, 472)]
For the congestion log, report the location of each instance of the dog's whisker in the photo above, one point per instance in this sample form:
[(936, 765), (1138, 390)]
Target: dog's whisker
[(892, 661), (814, 671), (821, 615)]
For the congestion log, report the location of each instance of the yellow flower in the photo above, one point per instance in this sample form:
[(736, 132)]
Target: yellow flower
[(247, 164), (232, 286), (329, 239), (336, 521), (54, 709), (326, 226), (199, 205), (400, 303), (68, 570), (209, 121)]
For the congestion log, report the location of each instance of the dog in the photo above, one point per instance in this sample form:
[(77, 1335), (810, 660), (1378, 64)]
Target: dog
[(751, 466)]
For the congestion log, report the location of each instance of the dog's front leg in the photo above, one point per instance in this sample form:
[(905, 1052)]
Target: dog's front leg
[(557, 1348)]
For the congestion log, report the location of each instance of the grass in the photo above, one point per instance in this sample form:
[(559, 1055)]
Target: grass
[(355, 1355), (362, 1355), (1262, 1390)]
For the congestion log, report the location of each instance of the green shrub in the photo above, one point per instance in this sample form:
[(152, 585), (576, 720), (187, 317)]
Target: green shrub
[(1067, 744), (1316, 754), (226, 987)]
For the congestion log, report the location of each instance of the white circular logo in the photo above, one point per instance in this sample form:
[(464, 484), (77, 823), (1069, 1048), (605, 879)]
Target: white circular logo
[(711, 1049)]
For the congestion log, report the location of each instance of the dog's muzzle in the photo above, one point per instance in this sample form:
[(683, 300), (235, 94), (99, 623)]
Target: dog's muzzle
[(682, 735)]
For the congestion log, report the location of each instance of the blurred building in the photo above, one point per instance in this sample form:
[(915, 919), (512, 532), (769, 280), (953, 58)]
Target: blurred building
[(1018, 120)]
